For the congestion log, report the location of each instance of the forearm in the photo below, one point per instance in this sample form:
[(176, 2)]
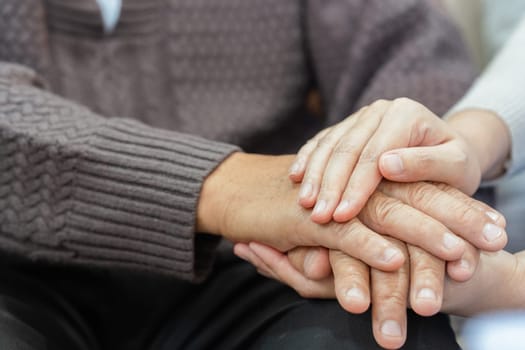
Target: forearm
[(239, 188), (78, 188)]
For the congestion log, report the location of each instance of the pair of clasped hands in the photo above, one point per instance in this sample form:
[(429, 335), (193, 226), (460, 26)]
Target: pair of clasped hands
[(372, 211)]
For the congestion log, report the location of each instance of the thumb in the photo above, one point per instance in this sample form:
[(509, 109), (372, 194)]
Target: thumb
[(442, 163)]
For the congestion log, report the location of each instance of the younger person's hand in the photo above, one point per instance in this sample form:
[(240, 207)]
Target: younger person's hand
[(401, 140)]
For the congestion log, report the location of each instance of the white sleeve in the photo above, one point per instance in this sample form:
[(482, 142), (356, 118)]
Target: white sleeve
[(500, 88)]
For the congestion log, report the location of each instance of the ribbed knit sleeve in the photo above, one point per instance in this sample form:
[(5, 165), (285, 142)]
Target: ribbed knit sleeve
[(79, 188), (372, 49), (499, 89)]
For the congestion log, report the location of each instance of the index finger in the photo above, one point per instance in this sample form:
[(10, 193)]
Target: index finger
[(466, 217), (404, 124)]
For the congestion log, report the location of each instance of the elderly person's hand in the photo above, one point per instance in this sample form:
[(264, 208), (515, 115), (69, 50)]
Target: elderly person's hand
[(394, 209), (497, 284), (248, 198), (419, 283)]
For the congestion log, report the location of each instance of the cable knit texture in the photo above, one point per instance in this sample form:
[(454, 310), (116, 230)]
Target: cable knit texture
[(194, 80)]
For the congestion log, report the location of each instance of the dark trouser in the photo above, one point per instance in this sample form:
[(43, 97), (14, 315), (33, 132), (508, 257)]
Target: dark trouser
[(63, 308)]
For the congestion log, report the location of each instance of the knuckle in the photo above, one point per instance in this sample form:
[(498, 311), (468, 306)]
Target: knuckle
[(390, 296), (410, 108), (321, 134), (446, 188), (402, 103), (428, 275), (360, 111), (465, 215), (341, 230), (352, 235), (405, 102), (312, 141), (419, 131), (368, 156), (425, 267), (420, 194), (348, 272), (385, 210), (324, 132), (308, 146), (327, 141), (345, 148), (398, 296), (402, 100), (380, 103)]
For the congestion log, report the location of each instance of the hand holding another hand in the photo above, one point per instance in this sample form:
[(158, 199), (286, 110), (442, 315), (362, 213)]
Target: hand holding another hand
[(249, 199), (402, 141), (399, 209)]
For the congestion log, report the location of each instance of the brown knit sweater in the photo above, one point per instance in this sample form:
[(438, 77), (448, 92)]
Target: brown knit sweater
[(196, 79)]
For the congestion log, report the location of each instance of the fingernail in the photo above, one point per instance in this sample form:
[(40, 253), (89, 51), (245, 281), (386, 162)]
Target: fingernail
[(320, 206), (242, 256), (492, 215), (426, 293), (391, 328), (297, 165), (306, 190), (393, 163), (294, 169), (492, 232), (389, 254), (354, 293), (450, 241)]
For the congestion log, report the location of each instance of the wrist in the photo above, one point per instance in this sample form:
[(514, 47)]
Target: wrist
[(239, 183), (215, 194), (518, 281), (488, 136)]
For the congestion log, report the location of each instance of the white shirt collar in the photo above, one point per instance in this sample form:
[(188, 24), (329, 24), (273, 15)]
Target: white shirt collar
[(110, 10)]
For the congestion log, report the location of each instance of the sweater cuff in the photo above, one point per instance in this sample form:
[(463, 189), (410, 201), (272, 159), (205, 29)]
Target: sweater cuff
[(135, 197)]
